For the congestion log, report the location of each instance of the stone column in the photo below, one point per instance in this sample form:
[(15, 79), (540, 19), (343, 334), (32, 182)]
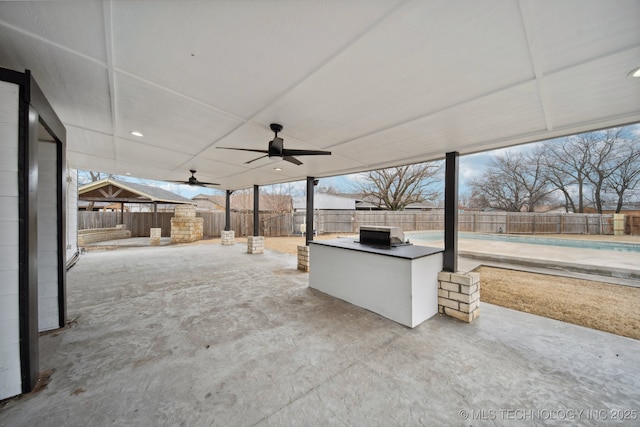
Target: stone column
[(303, 258), (155, 233), (459, 295), (228, 237), (619, 224), (185, 227), (255, 244)]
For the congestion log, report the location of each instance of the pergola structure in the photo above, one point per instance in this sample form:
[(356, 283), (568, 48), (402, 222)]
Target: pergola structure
[(155, 88), (111, 190)]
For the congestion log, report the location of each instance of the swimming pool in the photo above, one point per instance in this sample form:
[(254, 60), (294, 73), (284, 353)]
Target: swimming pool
[(533, 240)]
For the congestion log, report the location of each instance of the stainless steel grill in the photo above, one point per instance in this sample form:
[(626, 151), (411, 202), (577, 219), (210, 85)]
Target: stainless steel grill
[(380, 236)]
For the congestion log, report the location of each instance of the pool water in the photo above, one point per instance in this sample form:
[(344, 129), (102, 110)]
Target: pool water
[(533, 240)]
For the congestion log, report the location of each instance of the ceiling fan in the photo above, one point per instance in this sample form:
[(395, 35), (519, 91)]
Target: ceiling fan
[(194, 181), (276, 149)]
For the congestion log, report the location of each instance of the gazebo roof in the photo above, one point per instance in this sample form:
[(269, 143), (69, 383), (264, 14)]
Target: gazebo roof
[(111, 190)]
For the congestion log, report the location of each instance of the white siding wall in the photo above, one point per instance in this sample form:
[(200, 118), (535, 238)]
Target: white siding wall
[(47, 237), (72, 213), (10, 382)]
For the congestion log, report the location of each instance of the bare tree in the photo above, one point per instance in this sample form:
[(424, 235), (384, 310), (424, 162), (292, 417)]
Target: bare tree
[(395, 188), (602, 160), (513, 182), (567, 165), (328, 189), (85, 177), (279, 199), (626, 176), (592, 164)]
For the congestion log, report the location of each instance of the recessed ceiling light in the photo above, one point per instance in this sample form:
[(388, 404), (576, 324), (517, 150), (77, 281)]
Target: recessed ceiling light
[(136, 133), (634, 73), (128, 173), (277, 169)]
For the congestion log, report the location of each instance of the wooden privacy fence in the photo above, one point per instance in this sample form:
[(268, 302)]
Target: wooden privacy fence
[(481, 222), (139, 223), (349, 221), (632, 225)]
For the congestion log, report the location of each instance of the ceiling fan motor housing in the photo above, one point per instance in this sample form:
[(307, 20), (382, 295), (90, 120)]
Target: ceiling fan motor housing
[(276, 147), (275, 127)]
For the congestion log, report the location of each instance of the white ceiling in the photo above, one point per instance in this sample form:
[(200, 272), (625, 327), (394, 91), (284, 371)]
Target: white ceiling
[(379, 83)]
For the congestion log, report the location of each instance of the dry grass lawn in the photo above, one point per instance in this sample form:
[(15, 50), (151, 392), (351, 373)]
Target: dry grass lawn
[(596, 305)]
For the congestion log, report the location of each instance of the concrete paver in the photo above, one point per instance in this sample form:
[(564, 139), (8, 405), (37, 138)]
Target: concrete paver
[(210, 335)]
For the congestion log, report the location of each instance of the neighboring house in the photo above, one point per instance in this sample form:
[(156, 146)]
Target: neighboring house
[(358, 202), (207, 202), (630, 208), (243, 202), (421, 206), (323, 201), (550, 209)]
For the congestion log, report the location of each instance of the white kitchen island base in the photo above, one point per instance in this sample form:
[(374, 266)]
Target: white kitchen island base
[(399, 283)]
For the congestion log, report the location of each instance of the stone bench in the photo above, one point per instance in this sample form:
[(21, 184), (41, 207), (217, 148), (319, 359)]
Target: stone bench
[(93, 235)]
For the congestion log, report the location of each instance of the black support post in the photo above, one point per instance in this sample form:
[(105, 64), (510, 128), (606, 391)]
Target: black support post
[(155, 214), (309, 228), (227, 211), (256, 210), (450, 259)]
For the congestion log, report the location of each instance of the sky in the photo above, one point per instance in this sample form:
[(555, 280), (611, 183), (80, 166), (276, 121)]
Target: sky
[(471, 166)]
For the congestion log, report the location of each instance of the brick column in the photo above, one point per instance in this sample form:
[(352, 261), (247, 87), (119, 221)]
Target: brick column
[(255, 244), (303, 258), (155, 233), (459, 295), (228, 237)]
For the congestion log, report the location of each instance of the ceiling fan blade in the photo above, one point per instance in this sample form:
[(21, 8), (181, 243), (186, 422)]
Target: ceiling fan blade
[(257, 158), (204, 184), (178, 182), (287, 152), (292, 160), (244, 149)]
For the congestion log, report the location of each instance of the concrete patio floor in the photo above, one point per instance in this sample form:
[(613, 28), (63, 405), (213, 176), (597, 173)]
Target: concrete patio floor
[(209, 335)]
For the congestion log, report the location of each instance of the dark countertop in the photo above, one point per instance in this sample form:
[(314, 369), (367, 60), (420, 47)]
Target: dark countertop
[(404, 251)]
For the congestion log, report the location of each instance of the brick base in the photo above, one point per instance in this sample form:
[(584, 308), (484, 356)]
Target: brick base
[(155, 233), (186, 229), (459, 295), (303, 258), (228, 237), (255, 244)]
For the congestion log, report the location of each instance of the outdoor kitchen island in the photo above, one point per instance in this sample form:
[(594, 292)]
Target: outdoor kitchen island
[(398, 282)]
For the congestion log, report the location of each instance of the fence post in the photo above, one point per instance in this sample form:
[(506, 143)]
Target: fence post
[(534, 224), (587, 231), (561, 224)]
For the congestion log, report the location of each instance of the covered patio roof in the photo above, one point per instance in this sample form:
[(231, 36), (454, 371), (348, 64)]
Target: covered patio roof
[(377, 83)]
